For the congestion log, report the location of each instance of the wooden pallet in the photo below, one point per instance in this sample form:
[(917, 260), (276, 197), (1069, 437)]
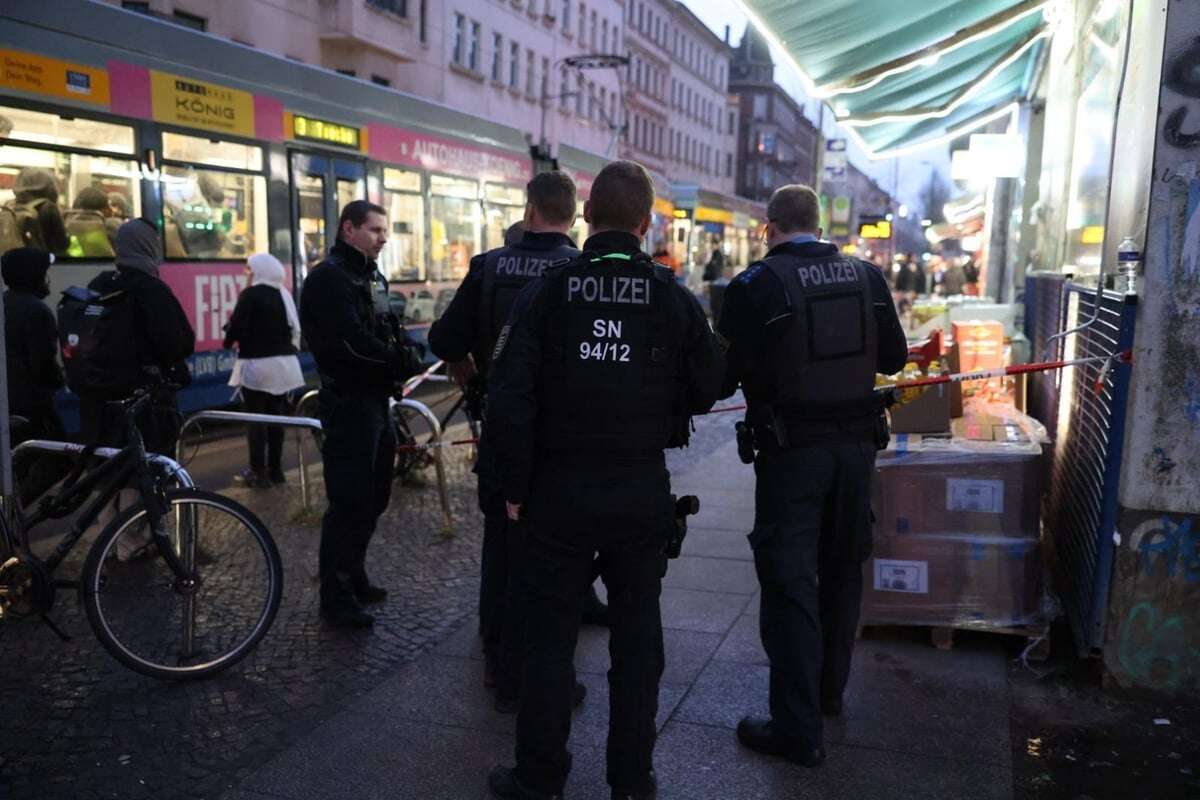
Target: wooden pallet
[(1037, 637)]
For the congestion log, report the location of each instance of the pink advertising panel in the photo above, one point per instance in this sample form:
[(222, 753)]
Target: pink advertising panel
[(208, 291), (398, 146)]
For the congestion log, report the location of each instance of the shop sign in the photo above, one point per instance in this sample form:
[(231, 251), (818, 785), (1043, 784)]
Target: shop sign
[(839, 213), (706, 214), (741, 220), (664, 207), (834, 165), (27, 72), (322, 130), (399, 146), (199, 104), (839, 231), (680, 213)]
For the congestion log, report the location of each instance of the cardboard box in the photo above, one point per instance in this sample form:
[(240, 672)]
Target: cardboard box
[(980, 344), (962, 582), (956, 534), (919, 490), (929, 413)]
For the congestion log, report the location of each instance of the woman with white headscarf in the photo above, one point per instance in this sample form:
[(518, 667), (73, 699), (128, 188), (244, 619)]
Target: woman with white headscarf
[(266, 331)]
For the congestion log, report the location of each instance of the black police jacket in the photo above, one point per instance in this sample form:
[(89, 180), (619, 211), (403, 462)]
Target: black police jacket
[(31, 340), (462, 329), (605, 339), (757, 315), (357, 345)]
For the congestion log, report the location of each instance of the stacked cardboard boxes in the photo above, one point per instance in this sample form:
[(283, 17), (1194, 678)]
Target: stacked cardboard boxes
[(956, 534)]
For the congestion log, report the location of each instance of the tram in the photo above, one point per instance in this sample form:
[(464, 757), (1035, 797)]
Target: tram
[(235, 152)]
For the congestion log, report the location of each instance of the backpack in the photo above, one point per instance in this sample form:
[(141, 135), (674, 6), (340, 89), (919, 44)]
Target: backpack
[(19, 226), (97, 335)]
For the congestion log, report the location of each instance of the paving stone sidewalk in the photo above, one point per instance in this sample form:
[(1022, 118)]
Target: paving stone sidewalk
[(919, 723)]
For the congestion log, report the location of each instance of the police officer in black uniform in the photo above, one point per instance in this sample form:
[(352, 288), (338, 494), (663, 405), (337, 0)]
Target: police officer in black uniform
[(361, 352), (807, 328), (596, 373), (464, 337)]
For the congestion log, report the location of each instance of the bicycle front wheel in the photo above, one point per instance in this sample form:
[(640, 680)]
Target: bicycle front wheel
[(158, 622)]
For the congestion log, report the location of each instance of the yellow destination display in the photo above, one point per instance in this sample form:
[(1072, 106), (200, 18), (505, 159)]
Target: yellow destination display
[(198, 104), (321, 130), (706, 214), (32, 73), (876, 230)]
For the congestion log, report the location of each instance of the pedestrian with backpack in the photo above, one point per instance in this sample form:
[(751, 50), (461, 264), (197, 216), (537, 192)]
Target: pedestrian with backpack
[(128, 331), (32, 218), (31, 345), (266, 331)]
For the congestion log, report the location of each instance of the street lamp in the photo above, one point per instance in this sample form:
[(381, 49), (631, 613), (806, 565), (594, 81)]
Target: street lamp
[(583, 61)]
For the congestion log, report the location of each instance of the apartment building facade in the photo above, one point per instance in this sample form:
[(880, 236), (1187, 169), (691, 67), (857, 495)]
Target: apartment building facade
[(777, 144)]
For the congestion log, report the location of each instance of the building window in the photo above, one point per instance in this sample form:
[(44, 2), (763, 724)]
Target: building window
[(729, 165), (545, 76), (759, 110), (422, 21), (566, 16), (190, 20), (582, 24), (530, 60), (592, 38), (473, 52), (563, 89), (604, 36), (397, 7), (579, 93), (460, 34), (141, 7), (379, 80), (603, 100), (349, 73), (497, 56), (514, 65)]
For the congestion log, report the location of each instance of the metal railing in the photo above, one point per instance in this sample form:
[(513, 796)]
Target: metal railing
[(251, 419)]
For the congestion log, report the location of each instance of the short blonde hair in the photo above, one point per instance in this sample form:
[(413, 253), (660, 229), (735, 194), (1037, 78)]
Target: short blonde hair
[(795, 208)]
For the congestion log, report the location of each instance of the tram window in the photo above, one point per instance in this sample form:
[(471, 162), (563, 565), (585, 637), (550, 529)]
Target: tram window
[(200, 151), (68, 203), (310, 193), (454, 226), (403, 257), (401, 180), (37, 127), (210, 214)]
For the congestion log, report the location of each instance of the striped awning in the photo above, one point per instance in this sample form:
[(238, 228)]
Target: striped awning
[(898, 75)]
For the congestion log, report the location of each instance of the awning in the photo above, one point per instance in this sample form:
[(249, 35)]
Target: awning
[(899, 75)]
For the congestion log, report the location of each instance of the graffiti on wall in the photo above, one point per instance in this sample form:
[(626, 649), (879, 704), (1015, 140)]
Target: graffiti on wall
[(1156, 586), (1183, 76), (1167, 548), (1156, 649)]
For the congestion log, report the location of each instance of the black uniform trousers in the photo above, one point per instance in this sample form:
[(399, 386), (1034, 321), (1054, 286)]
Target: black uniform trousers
[(358, 450), (579, 506), (812, 532), (265, 441)]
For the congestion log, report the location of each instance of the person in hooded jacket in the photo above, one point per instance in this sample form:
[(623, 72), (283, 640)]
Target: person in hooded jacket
[(162, 340), (31, 345), (266, 330), (37, 219)]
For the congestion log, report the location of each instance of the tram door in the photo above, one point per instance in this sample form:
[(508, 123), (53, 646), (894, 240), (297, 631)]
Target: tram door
[(321, 185)]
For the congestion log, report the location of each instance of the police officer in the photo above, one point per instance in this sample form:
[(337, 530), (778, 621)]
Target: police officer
[(464, 337), (807, 329), (361, 353), (601, 364)]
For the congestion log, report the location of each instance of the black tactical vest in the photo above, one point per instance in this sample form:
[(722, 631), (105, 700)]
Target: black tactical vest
[(613, 357), (824, 366), (386, 324), (506, 271)]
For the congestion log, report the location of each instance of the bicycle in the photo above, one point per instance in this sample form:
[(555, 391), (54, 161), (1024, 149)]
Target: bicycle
[(180, 585)]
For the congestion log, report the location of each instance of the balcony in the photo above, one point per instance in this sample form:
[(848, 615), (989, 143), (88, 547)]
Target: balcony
[(386, 26)]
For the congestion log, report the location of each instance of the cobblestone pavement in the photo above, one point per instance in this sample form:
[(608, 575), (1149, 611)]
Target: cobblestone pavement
[(78, 725)]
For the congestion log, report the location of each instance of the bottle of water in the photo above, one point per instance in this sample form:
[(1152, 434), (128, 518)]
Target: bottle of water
[(1129, 262)]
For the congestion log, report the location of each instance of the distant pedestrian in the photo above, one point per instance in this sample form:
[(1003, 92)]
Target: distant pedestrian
[(31, 345), (715, 267), (266, 331)]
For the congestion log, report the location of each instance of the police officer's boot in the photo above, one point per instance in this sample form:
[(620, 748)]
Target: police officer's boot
[(646, 794), (365, 592), (760, 735), (505, 785), (339, 607)]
